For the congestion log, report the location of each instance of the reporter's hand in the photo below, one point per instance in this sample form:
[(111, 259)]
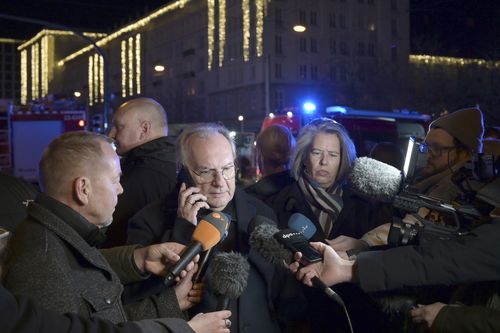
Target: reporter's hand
[(331, 271), (190, 201), (188, 294), (157, 258), (212, 322), (425, 314), (345, 243)]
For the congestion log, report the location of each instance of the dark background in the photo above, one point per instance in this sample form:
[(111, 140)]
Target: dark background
[(464, 28)]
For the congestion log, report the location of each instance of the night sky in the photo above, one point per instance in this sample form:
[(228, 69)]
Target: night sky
[(467, 28)]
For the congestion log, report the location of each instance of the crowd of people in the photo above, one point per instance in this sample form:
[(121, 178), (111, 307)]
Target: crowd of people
[(90, 248)]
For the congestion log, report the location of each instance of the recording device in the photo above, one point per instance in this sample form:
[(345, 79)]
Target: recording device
[(229, 277), (207, 233), (296, 242), (382, 182), (262, 238)]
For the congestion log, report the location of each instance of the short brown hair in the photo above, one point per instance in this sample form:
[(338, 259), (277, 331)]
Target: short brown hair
[(275, 144), (67, 153)]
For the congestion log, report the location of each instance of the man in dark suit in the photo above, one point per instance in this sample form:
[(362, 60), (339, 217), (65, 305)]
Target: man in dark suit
[(207, 155)]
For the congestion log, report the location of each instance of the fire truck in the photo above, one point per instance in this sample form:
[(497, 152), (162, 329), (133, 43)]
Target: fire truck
[(365, 127), (25, 134)]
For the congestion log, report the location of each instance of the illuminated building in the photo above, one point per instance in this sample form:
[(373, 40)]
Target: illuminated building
[(223, 58), (10, 76)]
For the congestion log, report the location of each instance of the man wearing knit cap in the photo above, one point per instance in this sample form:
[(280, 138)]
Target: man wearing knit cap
[(451, 141)]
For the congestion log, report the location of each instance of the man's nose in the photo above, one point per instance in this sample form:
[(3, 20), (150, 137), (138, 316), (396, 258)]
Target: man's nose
[(218, 178), (323, 160), (112, 133)]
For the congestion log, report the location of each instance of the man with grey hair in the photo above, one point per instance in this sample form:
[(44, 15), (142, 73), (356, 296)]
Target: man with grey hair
[(206, 156), (140, 132), (53, 257)]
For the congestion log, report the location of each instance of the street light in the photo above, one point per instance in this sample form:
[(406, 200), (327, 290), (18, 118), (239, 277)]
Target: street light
[(299, 28), (241, 119)]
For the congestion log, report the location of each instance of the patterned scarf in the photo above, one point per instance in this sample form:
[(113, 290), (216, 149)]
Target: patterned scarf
[(325, 204)]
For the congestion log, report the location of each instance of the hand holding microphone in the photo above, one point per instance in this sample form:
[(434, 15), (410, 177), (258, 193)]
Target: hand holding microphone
[(207, 233)]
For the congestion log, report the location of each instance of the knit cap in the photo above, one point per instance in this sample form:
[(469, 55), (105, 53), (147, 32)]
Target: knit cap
[(465, 125)]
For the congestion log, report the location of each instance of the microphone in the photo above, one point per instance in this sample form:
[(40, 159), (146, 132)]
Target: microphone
[(229, 277), (302, 224), (263, 240), (207, 233), (375, 180)]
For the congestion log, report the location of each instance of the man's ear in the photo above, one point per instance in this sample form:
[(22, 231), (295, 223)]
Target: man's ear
[(82, 189), (145, 129)]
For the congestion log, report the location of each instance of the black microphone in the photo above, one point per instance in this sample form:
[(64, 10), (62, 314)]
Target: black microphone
[(263, 240), (375, 180), (207, 233), (229, 277)]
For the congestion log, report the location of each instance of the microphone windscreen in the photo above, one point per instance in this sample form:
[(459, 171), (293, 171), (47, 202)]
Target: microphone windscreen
[(263, 241), (258, 220), (302, 224), (374, 179), (230, 272), (210, 229)]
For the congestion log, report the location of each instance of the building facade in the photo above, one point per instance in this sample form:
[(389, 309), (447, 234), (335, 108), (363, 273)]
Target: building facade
[(214, 60)]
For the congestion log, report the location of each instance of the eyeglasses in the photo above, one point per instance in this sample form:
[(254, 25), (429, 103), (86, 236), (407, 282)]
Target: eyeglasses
[(208, 175), (436, 150)]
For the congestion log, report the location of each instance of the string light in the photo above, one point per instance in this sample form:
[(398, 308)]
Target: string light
[(127, 29), (451, 61), (138, 63), (222, 30), (47, 32), (245, 7), (24, 77), (211, 32), (259, 26), (45, 66), (130, 61), (91, 81), (101, 78), (123, 58), (96, 78)]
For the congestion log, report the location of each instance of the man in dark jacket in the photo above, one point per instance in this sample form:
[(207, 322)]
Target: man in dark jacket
[(207, 154), (147, 161), (52, 256), (21, 315)]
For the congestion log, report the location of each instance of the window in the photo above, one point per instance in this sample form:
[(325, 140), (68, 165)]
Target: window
[(343, 73), (278, 44), (343, 48), (371, 49), (314, 72), (314, 18), (314, 45), (342, 21), (302, 17), (361, 75), (278, 99), (303, 72), (333, 73), (278, 17), (331, 20), (394, 27), (394, 53), (361, 49), (277, 71), (333, 46), (302, 44)]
